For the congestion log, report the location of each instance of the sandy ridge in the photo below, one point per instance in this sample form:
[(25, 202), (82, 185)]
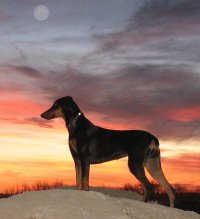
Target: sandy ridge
[(72, 204)]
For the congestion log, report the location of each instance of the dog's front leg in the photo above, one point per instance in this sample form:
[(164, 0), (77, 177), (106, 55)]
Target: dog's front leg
[(85, 167), (78, 174)]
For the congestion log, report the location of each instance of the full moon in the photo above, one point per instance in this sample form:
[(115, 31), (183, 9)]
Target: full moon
[(41, 12)]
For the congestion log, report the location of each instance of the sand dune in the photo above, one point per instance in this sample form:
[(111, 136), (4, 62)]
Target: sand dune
[(72, 204)]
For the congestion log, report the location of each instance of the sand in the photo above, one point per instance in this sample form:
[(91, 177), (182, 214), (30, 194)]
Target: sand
[(73, 204)]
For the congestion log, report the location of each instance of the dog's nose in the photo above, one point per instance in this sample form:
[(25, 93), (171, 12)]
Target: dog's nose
[(47, 115)]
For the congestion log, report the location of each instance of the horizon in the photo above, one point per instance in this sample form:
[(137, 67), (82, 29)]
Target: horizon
[(127, 64)]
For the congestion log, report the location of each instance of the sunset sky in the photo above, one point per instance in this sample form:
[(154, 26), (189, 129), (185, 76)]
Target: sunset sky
[(129, 64)]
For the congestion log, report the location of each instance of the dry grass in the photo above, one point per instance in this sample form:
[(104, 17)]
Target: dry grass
[(139, 188), (159, 189), (40, 185)]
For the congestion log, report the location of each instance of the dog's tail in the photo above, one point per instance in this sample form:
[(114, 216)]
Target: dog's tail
[(153, 165), (152, 151)]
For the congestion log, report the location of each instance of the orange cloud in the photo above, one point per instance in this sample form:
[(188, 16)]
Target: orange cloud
[(19, 106), (186, 114)]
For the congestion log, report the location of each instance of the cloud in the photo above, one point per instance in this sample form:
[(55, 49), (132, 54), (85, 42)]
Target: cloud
[(22, 56), (157, 20), (159, 14), (162, 99), (159, 32), (152, 75), (148, 97), (37, 121), (21, 69), (18, 80), (189, 162), (116, 82), (23, 110)]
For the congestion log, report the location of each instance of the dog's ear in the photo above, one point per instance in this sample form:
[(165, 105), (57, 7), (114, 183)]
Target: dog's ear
[(67, 99), (70, 98)]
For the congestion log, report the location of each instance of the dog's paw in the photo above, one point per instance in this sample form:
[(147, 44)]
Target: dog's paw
[(85, 188), (79, 187)]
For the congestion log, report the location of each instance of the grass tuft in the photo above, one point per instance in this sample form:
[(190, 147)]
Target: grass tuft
[(40, 185)]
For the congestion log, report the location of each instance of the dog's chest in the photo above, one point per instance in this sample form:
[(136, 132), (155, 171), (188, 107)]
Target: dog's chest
[(73, 144)]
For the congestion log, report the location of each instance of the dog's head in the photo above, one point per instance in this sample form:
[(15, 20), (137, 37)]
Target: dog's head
[(62, 108)]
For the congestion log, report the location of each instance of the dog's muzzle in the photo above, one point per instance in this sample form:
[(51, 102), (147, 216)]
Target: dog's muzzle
[(47, 115)]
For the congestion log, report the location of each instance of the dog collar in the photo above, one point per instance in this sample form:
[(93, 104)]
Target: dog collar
[(73, 122)]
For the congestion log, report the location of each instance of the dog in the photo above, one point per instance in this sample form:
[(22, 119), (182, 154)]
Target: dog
[(90, 144)]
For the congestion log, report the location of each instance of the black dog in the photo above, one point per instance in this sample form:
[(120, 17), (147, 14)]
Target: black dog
[(90, 144)]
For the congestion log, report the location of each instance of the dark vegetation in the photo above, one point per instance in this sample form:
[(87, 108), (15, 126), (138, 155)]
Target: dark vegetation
[(187, 199)]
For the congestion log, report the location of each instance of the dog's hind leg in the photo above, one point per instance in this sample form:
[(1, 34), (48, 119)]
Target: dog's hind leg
[(137, 169), (153, 166)]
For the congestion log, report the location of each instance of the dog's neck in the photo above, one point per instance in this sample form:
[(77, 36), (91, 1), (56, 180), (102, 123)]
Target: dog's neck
[(78, 123), (73, 122), (75, 119)]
